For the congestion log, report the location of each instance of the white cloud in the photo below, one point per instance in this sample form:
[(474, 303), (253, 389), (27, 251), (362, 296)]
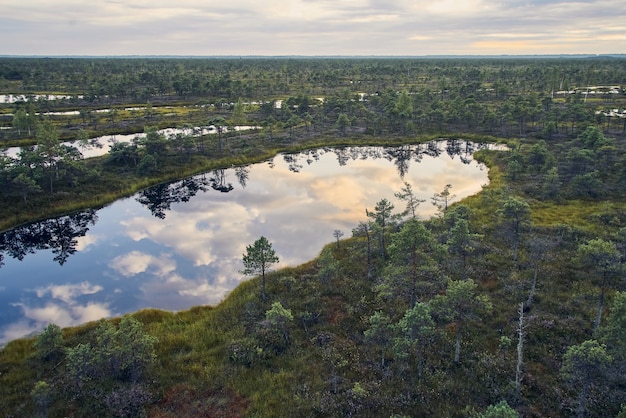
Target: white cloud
[(137, 262), (49, 313), (92, 311), (454, 8), (19, 330), (61, 314), (58, 305), (141, 228), (68, 292), (279, 27), (83, 243), (420, 37), (373, 18), (176, 292), (212, 293), (190, 237)]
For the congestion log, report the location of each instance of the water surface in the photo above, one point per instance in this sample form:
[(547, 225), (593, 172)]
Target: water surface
[(178, 245), (101, 145)]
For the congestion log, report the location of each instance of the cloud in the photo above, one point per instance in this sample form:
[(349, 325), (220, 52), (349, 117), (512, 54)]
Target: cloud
[(183, 293), (68, 292), (304, 27), (56, 304), (136, 262), (64, 315), (92, 311), (420, 37), (455, 8), (19, 329), (202, 234), (163, 284), (83, 243)]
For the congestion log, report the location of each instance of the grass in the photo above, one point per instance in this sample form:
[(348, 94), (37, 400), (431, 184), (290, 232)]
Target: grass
[(194, 373), (315, 375)]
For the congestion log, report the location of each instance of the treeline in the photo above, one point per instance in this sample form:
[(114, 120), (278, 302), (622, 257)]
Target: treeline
[(146, 78), (340, 98)]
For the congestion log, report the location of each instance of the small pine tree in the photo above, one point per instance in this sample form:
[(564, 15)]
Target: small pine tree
[(499, 410), (49, 343), (258, 259)]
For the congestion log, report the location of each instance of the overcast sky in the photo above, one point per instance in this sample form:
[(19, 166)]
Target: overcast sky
[(311, 27)]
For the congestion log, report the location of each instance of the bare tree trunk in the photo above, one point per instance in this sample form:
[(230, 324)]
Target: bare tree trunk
[(366, 229), (520, 347), (263, 295), (596, 324), (533, 286), (420, 361)]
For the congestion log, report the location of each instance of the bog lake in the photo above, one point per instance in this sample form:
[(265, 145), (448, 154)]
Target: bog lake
[(179, 245)]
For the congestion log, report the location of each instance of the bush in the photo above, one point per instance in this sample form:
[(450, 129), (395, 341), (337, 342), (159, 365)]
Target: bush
[(49, 344), (245, 352), (127, 401)]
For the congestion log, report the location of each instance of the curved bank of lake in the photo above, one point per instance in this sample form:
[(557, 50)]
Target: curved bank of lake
[(177, 245)]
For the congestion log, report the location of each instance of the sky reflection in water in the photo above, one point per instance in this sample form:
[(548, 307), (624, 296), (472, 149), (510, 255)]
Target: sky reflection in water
[(190, 253)]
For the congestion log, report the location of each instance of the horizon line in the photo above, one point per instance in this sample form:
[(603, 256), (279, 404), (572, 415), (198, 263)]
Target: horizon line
[(241, 56)]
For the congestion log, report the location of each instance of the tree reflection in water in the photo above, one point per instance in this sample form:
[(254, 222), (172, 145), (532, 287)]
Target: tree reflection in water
[(219, 183), (158, 199), (60, 234), (57, 234)]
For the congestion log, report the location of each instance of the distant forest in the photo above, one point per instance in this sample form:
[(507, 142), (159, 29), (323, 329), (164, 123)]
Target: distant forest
[(502, 97)]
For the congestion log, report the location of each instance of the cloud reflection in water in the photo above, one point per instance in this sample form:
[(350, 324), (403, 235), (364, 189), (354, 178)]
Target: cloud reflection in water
[(183, 246)]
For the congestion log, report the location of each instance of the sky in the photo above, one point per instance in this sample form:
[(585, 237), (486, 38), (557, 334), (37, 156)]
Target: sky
[(311, 27)]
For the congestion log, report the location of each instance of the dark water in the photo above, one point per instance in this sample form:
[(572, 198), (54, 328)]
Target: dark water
[(179, 245)]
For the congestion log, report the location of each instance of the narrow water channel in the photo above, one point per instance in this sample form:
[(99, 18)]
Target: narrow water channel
[(101, 145)]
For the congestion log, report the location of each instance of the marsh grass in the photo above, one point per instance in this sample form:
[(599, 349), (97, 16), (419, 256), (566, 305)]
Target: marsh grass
[(327, 355), (192, 348)]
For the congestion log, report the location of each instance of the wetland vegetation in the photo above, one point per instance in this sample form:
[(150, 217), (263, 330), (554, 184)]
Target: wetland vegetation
[(511, 301)]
